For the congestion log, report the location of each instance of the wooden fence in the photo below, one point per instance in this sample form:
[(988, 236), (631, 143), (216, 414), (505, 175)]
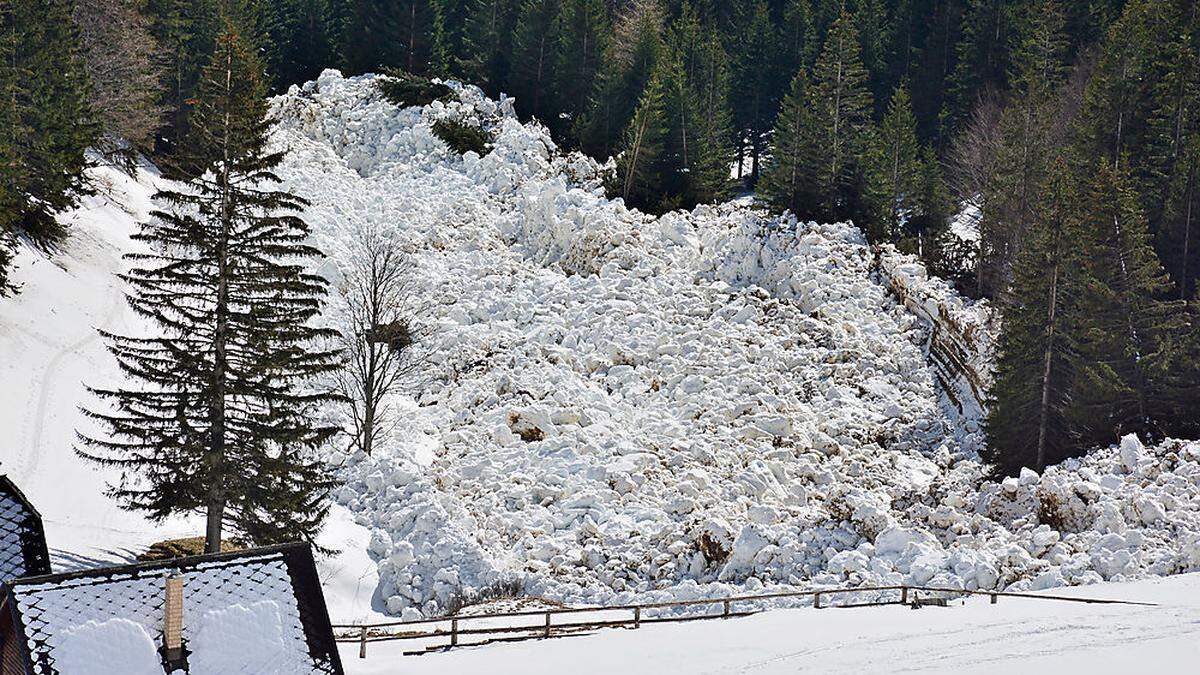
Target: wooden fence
[(479, 629)]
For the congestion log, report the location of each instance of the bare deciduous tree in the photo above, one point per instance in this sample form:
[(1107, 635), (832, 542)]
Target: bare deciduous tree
[(380, 339), (124, 65)]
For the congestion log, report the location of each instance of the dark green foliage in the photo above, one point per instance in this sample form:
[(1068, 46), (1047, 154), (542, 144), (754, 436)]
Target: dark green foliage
[(1027, 419), (463, 137), (184, 30), (583, 37), (893, 172), (756, 84), (842, 106), (531, 70), (638, 164), (628, 63), (1127, 333), (790, 182), (224, 420), (370, 35), (48, 123), (449, 36), (488, 40), (300, 41), (1032, 128), (407, 90)]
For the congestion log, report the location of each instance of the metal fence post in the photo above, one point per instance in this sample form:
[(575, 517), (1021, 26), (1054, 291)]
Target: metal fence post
[(362, 643)]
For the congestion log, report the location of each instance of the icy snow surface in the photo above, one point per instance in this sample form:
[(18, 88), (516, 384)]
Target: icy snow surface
[(625, 407)]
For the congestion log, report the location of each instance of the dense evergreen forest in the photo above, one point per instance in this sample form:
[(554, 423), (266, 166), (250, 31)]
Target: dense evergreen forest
[(1070, 130)]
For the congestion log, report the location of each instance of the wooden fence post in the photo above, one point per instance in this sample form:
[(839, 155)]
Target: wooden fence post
[(816, 601), (637, 617), (362, 643), (725, 613), (904, 595), (547, 624), (453, 632), (993, 598)]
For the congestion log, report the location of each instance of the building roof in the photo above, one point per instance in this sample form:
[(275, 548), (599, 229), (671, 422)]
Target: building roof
[(257, 612), (22, 540)]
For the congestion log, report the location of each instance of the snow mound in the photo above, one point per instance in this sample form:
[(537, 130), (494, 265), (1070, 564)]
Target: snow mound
[(625, 407)]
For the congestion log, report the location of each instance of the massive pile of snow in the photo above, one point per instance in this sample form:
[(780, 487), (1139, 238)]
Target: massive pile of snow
[(620, 406)]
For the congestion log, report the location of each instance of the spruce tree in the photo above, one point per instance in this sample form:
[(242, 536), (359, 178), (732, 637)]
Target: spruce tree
[(449, 36), (531, 73), (699, 110), (989, 34), (371, 35), (52, 91), (638, 164), (184, 30), (1171, 157), (1127, 333), (843, 106), (628, 63), (219, 413), (893, 172), (1027, 423), (488, 41), (790, 181), (799, 40), (13, 76), (582, 40), (756, 85), (301, 42), (1030, 129)]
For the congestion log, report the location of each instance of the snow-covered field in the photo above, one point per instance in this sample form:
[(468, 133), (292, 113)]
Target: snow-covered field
[(617, 407), (1015, 635)]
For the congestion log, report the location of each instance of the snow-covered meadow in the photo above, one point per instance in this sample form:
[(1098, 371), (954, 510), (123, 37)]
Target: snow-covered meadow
[(624, 407)]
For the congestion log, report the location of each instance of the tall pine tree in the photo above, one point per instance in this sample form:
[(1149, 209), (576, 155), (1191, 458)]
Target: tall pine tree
[(531, 73), (790, 181), (582, 40), (1127, 334), (219, 417), (1027, 423), (843, 105)]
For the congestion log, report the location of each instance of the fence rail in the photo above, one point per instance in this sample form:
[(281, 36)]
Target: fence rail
[(449, 627)]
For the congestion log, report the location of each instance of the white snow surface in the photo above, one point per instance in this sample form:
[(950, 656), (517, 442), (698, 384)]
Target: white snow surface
[(107, 646), (975, 637), (623, 407)]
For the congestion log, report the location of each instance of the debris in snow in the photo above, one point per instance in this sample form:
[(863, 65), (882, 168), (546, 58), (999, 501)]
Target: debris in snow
[(630, 407)]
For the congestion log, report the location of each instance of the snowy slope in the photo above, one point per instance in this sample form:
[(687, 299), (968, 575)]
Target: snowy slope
[(1015, 635), (49, 349)]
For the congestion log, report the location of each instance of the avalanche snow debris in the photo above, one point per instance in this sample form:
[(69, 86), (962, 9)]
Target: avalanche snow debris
[(623, 407)]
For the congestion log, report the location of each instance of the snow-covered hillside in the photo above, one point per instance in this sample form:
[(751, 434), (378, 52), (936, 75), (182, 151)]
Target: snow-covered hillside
[(616, 406)]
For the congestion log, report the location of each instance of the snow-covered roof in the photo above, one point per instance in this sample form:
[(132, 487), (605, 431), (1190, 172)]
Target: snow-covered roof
[(22, 541), (257, 612)]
